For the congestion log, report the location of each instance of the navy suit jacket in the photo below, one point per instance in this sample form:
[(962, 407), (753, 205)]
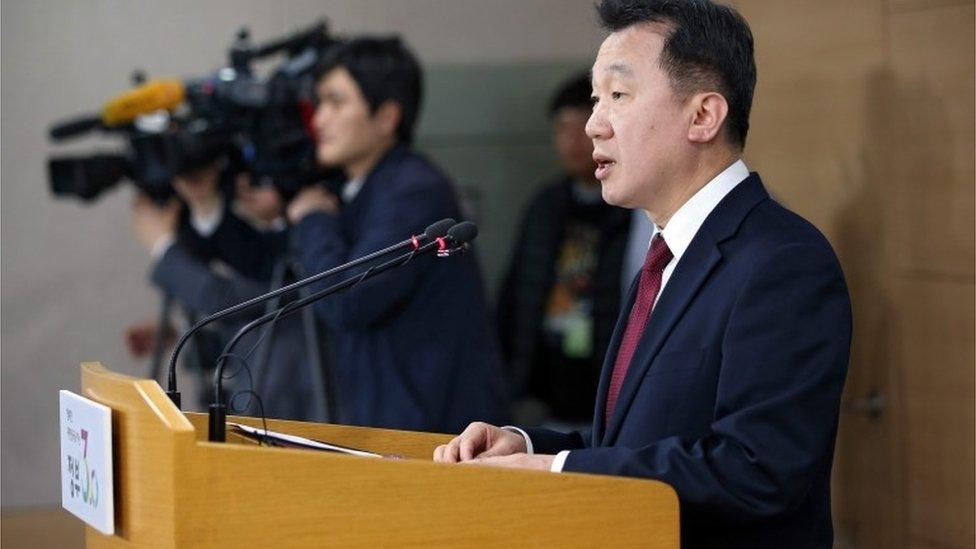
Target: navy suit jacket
[(413, 348), (733, 394)]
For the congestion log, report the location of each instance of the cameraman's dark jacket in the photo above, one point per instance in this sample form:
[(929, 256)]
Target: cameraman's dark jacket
[(413, 348), (251, 253)]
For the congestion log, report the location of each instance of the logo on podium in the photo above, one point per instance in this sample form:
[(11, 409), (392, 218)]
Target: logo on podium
[(86, 461)]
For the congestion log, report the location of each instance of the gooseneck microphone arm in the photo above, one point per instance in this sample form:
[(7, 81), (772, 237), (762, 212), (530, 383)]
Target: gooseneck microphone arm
[(456, 241), (433, 232)]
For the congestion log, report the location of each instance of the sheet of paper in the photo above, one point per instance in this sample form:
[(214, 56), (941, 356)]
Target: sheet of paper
[(302, 441)]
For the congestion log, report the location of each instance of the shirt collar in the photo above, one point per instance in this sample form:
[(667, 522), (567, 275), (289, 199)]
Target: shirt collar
[(685, 222), (351, 189)]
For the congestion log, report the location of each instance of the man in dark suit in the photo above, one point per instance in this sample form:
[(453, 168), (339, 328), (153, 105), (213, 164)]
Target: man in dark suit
[(413, 349), (724, 374)]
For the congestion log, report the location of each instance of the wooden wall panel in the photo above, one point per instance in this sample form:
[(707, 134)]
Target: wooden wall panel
[(907, 5), (933, 138), (919, 544), (809, 128), (863, 122), (933, 336), (868, 500)]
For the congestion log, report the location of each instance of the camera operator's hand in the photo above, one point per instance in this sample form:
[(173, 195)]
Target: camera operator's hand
[(200, 190), (312, 199), (261, 203), (153, 223)]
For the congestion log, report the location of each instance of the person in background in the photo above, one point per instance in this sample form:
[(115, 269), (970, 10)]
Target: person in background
[(414, 348), (562, 291)]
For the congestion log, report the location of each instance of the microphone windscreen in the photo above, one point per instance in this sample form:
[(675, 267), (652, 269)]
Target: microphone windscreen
[(439, 229), (463, 232), (152, 96)]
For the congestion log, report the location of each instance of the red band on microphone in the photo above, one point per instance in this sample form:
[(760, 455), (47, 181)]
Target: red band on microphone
[(441, 244), (415, 240)]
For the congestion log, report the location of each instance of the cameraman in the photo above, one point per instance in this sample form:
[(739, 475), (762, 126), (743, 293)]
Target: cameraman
[(413, 348), (223, 255)]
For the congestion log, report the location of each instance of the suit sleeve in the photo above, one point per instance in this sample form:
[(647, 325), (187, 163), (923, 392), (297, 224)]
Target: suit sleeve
[(397, 213), (547, 441), (249, 251), (784, 359)]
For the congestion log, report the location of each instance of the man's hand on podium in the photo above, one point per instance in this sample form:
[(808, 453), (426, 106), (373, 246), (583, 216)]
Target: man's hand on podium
[(480, 440), (485, 444), (539, 462)]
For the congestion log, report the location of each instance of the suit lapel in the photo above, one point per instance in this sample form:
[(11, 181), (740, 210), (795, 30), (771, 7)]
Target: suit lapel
[(688, 276), (691, 272)]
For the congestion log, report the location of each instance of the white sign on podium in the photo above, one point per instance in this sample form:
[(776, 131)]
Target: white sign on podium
[(86, 461)]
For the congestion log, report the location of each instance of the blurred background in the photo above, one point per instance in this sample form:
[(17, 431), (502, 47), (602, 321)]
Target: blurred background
[(863, 122)]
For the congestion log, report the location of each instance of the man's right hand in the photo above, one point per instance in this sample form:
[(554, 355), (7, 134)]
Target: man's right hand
[(140, 339), (480, 440), (309, 200), (152, 222)]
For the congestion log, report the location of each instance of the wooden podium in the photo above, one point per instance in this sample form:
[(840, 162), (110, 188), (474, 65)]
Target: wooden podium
[(175, 489)]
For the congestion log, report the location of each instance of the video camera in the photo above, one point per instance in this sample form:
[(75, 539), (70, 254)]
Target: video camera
[(172, 127)]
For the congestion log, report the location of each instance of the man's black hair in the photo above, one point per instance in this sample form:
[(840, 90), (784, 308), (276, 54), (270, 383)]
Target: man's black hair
[(385, 70), (709, 46), (574, 93)]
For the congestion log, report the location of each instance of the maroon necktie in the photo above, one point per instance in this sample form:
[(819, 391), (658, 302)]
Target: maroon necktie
[(658, 257)]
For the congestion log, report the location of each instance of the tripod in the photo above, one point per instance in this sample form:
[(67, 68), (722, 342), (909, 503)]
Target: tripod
[(285, 271)]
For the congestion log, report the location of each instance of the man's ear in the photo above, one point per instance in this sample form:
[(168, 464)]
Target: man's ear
[(389, 114), (710, 111)]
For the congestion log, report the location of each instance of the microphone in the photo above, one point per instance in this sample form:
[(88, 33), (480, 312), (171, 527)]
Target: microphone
[(458, 237), (158, 94), (431, 234)]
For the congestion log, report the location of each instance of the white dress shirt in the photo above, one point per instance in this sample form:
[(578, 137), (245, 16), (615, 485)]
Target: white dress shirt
[(351, 189), (638, 241), (678, 234)]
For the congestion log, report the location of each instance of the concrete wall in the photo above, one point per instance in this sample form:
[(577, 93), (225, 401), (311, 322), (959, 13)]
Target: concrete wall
[(73, 276)]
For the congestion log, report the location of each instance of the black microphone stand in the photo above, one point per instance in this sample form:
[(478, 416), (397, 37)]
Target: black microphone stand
[(435, 230), (218, 410), (160, 344), (318, 367)]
